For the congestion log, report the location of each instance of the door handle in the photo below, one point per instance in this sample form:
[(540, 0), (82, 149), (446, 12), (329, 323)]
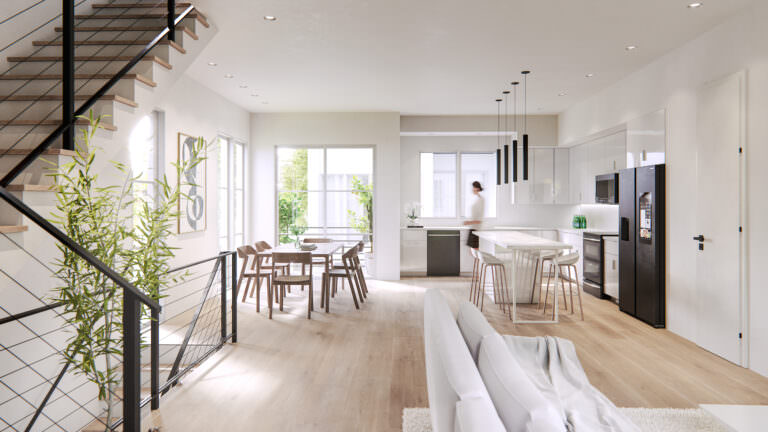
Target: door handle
[(699, 238)]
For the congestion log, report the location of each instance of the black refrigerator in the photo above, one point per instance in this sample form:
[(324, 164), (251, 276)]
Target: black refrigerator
[(641, 243)]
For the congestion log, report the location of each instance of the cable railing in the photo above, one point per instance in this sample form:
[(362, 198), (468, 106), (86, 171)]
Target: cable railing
[(38, 388)]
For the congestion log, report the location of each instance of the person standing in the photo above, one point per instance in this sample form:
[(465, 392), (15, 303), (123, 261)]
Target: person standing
[(476, 214)]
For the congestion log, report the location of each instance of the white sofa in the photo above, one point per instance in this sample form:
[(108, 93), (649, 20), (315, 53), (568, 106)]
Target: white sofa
[(480, 381)]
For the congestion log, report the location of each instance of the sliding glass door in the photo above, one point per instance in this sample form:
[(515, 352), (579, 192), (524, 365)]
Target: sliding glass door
[(325, 192)]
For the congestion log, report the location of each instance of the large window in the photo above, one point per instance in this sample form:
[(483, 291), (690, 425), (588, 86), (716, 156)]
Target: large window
[(442, 188), (146, 159), (231, 193), (326, 192), (478, 167), (438, 185)]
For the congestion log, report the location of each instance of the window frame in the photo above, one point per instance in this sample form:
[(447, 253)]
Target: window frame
[(231, 190), (324, 191), (458, 207)]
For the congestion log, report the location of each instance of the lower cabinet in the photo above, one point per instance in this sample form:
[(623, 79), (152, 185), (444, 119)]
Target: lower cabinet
[(611, 269), (413, 252)]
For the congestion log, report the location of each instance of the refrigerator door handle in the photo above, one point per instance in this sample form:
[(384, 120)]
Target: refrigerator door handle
[(625, 229)]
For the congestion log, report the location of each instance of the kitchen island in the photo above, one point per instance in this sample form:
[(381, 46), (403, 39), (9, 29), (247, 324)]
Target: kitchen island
[(521, 254)]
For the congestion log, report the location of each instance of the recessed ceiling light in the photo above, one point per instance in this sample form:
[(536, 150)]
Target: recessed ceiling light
[(589, 75), (562, 94), (228, 76), (265, 103), (695, 5), (243, 85), (630, 47), (212, 64), (254, 95), (270, 18)]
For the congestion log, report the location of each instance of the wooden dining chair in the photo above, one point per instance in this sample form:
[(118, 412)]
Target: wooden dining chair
[(347, 273), (279, 282), (318, 261), (359, 268), (252, 270)]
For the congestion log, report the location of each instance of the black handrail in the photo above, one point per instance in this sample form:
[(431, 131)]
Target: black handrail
[(83, 110)]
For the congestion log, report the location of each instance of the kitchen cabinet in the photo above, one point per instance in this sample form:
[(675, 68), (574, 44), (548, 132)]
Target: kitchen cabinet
[(646, 140), (611, 266), (543, 176), (562, 176), (600, 156), (413, 252), (548, 177)]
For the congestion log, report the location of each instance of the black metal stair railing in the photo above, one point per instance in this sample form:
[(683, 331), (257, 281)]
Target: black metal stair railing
[(133, 299)]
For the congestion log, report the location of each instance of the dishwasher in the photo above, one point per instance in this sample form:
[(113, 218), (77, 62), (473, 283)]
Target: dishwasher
[(443, 253)]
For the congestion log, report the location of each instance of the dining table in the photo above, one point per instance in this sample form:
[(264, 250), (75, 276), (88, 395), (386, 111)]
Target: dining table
[(323, 251)]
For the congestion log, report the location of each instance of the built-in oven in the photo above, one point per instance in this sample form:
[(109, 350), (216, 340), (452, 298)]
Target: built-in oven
[(593, 264), (607, 189)]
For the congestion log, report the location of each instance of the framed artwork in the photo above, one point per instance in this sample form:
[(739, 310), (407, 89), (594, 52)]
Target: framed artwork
[(192, 203)]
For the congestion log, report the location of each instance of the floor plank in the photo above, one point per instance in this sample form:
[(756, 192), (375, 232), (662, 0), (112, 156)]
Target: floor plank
[(356, 370)]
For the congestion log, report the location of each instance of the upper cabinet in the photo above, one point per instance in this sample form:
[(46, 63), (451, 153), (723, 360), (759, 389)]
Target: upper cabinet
[(602, 155), (548, 177), (646, 140)]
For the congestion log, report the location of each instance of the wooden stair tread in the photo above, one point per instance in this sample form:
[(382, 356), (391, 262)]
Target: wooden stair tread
[(158, 29), (111, 43), (49, 152), (30, 188), (136, 5), (52, 122), (153, 58), (24, 98), (10, 229), (149, 15), (56, 77)]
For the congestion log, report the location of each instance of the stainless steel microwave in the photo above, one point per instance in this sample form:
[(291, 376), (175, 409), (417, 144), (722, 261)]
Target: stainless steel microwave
[(607, 189)]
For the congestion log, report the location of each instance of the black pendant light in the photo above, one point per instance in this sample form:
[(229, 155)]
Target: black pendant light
[(525, 125), (498, 142), (506, 136), (514, 142)]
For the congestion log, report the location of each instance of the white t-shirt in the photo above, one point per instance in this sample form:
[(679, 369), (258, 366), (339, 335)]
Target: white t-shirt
[(477, 211)]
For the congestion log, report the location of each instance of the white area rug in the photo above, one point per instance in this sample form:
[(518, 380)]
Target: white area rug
[(649, 420)]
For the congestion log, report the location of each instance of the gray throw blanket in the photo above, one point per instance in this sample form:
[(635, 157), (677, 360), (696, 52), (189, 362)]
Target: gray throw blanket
[(551, 363)]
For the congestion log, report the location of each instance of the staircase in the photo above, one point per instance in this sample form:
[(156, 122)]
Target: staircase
[(107, 34)]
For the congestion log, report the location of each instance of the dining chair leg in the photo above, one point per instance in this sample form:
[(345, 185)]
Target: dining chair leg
[(510, 301), (281, 289), (310, 304), (258, 294), (358, 285), (546, 295), (363, 283), (270, 292), (352, 290), (326, 281), (245, 291)]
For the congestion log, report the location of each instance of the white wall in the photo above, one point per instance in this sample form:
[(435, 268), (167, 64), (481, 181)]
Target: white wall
[(381, 130), (671, 82), (194, 109)]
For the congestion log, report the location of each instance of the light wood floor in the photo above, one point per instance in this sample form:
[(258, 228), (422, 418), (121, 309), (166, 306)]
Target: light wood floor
[(356, 370)]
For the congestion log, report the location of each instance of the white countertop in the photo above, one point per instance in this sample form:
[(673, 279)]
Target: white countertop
[(520, 228), (520, 240)]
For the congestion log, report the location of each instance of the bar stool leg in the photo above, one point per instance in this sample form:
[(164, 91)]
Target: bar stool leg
[(535, 273), (578, 291), (472, 284), (546, 295), (570, 290), (482, 288)]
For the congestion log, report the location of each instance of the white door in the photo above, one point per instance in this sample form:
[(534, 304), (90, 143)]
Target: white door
[(718, 288)]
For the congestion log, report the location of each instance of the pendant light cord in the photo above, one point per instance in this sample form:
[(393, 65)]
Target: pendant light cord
[(525, 103)]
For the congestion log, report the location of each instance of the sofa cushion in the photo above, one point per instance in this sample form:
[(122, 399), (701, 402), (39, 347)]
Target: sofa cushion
[(474, 327), (452, 376), (518, 402), (476, 415)]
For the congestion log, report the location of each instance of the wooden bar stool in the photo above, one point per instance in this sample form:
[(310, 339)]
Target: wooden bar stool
[(475, 274), (544, 257), (568, 262), (279, 282), (498, 279), (334, 275)]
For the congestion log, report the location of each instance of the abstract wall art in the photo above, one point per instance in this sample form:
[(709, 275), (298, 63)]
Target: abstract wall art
[(192, 203)]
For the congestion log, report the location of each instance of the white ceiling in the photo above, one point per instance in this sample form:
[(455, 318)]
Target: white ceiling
[(436, 56)]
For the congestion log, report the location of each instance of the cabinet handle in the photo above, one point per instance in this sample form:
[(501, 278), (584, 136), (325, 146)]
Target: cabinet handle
[(645, 156), (613, 264), (614, 165)]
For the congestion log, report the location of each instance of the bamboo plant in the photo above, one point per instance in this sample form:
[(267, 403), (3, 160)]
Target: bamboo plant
[(128, 234)]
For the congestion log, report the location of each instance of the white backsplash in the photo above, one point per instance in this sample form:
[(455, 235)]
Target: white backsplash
[(599, 216)]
